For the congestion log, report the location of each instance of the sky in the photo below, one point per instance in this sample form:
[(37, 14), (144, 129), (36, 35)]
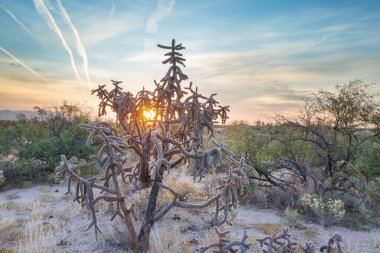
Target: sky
[(261, 57)]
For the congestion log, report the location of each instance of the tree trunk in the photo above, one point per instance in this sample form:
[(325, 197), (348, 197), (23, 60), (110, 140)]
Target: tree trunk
[(143, 238), (126, 212), (144, 176)]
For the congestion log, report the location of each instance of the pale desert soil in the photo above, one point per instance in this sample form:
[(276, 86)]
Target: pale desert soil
[(63, 222)]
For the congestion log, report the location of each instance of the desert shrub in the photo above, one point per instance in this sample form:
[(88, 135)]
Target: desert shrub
[(36, 144), (187, 189), (331, 147), (341, 128), (255, 195), (361, 217), (292, 217), (329, 211), (281, 197)]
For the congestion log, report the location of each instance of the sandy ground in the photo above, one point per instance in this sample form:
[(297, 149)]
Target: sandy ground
[(61, 225)]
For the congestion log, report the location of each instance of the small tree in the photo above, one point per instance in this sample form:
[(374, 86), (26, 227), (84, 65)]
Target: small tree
[(331, 145), (163, 128), (37, 143), (336, 127)]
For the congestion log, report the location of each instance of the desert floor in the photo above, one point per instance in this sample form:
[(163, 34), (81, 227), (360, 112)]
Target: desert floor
[(44, 219)]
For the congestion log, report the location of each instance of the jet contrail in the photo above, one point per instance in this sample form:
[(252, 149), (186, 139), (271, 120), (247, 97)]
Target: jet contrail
[(16, 20), (163, 9), (80, 48), (45, 13), (26, 66), (113, 9)]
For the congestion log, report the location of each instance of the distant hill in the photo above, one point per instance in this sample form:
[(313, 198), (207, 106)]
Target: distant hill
[(11, 115)]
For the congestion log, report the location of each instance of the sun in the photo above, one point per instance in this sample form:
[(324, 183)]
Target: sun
[(149, 114)]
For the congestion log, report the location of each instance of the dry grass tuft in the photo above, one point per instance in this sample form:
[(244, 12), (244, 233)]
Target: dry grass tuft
[(62, 216), (50, 227), (310, 234), (167, 241), (375, 243), (37, 211), (38, 236), (253, 240), (6, 250), (12, 195), (140, 199), (67, 197), (13, 233), (269, 229), (187, 189), (105, 207), (45, 189), (6, 219), (26, 184), (298, 249), (352, 245), (47, 198), (211, 236), (36, 240), (122, 235), (11, 206)]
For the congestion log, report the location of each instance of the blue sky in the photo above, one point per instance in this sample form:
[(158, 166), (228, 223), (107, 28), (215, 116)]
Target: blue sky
[(261, 57)]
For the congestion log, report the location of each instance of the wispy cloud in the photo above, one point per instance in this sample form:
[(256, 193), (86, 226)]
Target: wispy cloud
[(23, 64), (16, 20), (80, 48), (45, 13), (164, 7)]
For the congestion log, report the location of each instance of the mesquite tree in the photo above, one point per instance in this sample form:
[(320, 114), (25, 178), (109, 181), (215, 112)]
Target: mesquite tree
[(162, 129)]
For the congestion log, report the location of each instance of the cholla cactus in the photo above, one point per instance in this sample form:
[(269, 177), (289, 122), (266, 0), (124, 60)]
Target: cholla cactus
[(333, 245), (162, 128), (224, 245), (281, 243), (278, 243)]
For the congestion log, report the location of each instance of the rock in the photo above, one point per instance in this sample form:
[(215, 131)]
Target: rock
[(176, 217), (188, 228), (194, 241)]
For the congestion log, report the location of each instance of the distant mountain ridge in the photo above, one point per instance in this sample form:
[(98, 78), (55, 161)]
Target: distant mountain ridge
[(11, 115)]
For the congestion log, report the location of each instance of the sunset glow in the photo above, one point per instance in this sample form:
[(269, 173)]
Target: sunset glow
[(149, 114), (250, 52)]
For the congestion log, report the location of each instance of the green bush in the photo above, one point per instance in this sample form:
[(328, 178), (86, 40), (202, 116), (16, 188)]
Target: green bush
[(292, 217), (329, 211), (36, 144), (331, 148)]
